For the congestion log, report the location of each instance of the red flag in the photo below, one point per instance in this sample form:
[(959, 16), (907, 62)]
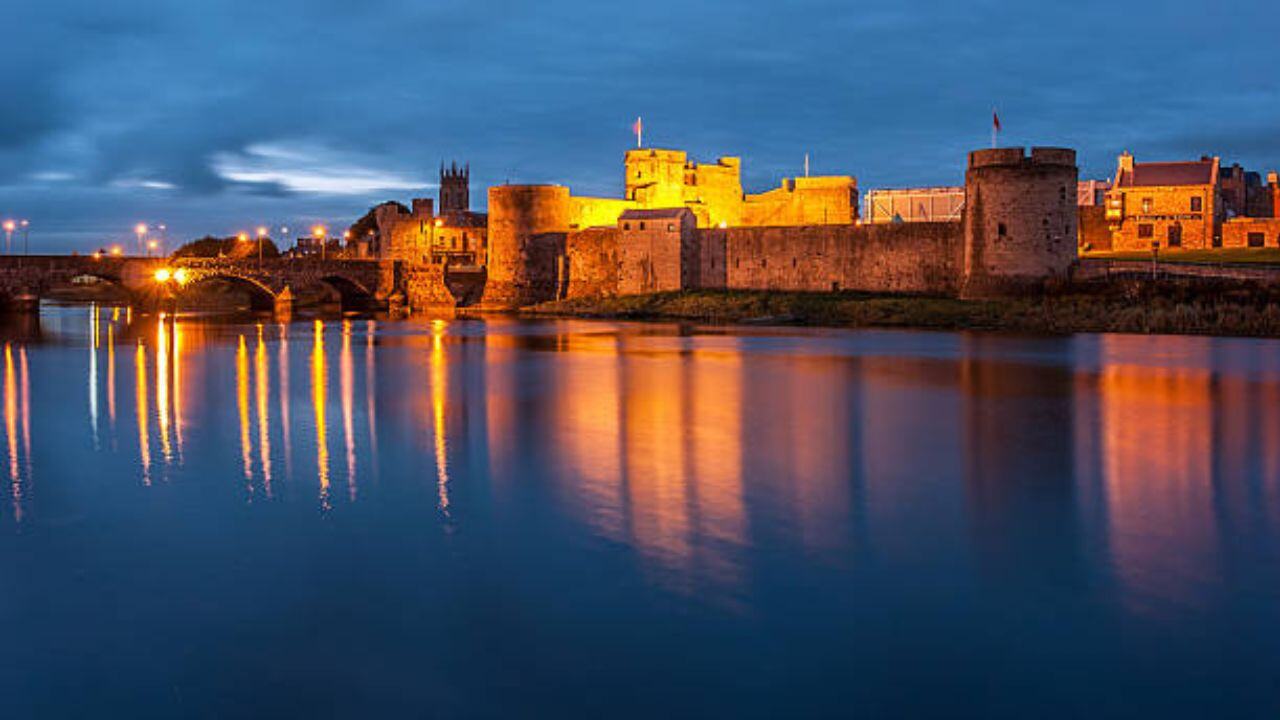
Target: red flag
[(995, 121)]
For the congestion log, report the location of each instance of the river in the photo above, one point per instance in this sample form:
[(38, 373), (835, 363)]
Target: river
[(494, 517)]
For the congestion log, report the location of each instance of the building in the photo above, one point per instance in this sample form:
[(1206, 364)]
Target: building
[(1191, 205), (943, 204), (456, 236), (1165, 204), (928, 204)]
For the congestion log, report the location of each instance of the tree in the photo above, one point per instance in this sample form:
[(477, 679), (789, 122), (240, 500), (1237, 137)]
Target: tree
[(229, 247)]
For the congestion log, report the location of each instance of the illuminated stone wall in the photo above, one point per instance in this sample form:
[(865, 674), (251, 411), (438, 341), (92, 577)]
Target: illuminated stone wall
[(906, 258), (1095, 231), (592, 257), (1251, 232)]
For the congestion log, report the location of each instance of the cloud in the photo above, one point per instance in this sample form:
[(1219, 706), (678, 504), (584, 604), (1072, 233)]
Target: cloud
[(301, 168)]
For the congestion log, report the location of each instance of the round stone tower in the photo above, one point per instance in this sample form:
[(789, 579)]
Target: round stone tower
[(527, 228), (1020, 219)]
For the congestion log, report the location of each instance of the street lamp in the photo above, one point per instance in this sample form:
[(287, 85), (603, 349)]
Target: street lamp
[(26, 235), (141, 230), (9, 227), (262, 233), (152, 245), (117, 250), (320, 233)]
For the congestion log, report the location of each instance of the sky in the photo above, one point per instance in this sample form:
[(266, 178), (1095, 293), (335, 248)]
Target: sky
[(215, 116)]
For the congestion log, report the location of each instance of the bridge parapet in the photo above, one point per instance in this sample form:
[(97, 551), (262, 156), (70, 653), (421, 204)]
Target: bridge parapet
[(33, 276)]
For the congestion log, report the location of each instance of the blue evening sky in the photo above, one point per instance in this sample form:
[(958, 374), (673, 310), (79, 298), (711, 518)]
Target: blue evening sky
[(213, 116)]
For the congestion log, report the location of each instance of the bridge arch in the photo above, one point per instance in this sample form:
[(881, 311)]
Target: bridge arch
[(259, 295), (352, 294)]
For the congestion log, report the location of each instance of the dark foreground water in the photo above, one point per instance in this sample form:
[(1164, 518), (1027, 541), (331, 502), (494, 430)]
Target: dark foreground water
[(462, 518)]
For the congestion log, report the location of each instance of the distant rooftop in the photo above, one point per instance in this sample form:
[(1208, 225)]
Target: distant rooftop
[(1149, 174)]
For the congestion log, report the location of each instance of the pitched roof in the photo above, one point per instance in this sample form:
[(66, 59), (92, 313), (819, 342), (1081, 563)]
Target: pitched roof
[(1150, 174), (658, 213)]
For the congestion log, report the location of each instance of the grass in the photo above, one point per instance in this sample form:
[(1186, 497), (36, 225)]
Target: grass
[(1130, 307), (1214, 256)]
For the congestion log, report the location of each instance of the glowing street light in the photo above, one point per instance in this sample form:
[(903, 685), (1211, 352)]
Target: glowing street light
[(26, 235), (9, 227), (321, 233), (117, 250), (262, 234), (163, 275), (141, 231), (151, 247)]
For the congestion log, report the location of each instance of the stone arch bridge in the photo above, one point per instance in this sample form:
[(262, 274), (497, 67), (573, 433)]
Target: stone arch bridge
[(271, 283)]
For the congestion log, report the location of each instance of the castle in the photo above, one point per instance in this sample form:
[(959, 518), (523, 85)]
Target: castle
[(682, 225)]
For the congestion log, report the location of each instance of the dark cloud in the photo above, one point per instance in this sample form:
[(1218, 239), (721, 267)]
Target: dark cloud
[(212, 115)]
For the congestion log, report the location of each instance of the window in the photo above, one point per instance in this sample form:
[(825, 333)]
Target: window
[(626, 226), (1197, 204), (1257, 240), (1001, 230), (764, 262), (1175, 236), (671, 227), (1062, 194), (1146, 205), (641, 224), (1146, 230)]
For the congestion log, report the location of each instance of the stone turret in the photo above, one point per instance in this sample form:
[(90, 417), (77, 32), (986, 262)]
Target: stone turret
[(527, 228), (1020, 221)]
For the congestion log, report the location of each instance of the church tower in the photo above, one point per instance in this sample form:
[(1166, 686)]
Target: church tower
[(455, 188)]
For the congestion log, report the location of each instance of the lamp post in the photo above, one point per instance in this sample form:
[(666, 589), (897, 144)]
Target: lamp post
[(141, 230), (262, 234), (320, 233), (152, 246), (9, 227), (26, 236)]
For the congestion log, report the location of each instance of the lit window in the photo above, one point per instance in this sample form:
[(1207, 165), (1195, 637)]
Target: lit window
[(1146, 205), (1146, 231), (671, 227), (1197, 204)]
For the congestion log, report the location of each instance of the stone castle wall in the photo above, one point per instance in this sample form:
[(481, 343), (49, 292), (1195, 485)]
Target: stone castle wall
[(900, 258), (906, 258), (592, 260)]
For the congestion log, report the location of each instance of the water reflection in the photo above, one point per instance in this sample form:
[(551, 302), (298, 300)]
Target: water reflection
[(1135, 465), (319, 400)]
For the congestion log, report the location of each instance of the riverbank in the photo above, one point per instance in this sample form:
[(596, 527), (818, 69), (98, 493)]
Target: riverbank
[(1130, 307)]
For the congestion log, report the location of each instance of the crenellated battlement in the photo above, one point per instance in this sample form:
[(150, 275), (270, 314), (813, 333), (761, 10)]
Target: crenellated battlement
[(1017, 157)]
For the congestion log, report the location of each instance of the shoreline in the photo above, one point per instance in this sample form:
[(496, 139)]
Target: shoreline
[(1131, 307)]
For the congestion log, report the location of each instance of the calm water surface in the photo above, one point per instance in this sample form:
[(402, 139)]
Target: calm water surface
[(488, 517)]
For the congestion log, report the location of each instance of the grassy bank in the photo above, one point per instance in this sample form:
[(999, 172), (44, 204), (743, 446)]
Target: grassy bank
[(1130, 307)]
